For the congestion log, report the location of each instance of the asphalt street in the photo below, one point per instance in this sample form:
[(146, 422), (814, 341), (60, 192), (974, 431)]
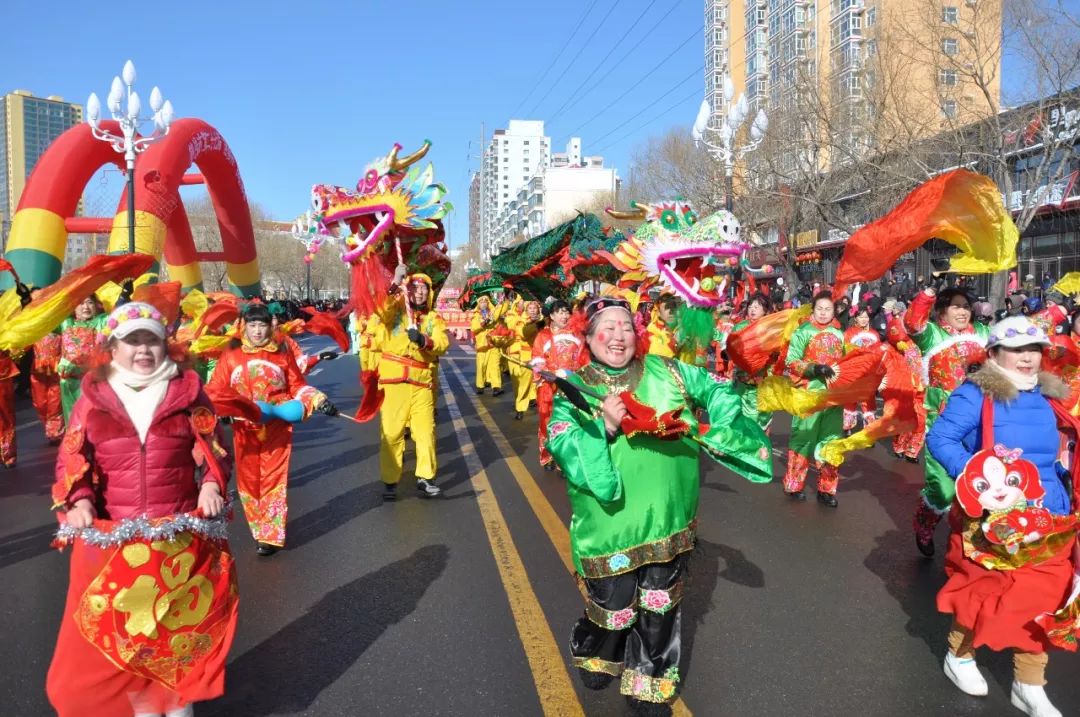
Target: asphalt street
[(463, 605)]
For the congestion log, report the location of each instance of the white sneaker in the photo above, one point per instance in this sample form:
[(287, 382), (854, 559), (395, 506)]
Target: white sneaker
[(185, 711), (965, 674), (1032, 700)]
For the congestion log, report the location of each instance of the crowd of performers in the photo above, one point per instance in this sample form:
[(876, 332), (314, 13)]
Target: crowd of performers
[(653, 391), (137, 395)]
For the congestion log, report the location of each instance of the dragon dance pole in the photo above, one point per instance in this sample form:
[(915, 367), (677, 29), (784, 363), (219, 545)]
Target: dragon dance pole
[(408, 306)]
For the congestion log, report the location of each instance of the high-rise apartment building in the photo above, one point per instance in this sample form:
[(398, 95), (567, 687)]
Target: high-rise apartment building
[(523, 185), (514, 155), (854, 68), (29, 124)]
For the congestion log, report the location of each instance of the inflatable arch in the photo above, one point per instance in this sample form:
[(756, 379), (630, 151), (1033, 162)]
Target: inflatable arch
[(46, 213)]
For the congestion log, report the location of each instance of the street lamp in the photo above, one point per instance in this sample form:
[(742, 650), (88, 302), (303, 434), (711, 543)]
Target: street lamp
[(128, 142), (724, 147), (306, 231)]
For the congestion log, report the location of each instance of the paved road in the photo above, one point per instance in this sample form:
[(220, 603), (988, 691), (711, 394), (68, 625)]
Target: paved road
[(463, 606)]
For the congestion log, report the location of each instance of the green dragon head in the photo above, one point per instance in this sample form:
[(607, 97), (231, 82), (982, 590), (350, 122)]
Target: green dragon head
[(695, 259)]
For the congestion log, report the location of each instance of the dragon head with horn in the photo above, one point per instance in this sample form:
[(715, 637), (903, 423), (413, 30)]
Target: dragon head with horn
[(693, 258), (393, 215)]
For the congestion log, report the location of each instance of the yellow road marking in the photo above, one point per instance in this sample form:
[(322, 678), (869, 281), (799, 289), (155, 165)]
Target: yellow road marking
[(553, 525), (557, 695)]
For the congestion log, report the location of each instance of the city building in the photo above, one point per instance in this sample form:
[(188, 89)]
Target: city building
[(860, 70), (1040, 184), (29, 124), (514, 155), (524, 188), (570, 183)]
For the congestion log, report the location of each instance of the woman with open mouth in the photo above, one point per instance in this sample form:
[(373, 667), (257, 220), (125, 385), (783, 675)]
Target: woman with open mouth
[(624, 432)]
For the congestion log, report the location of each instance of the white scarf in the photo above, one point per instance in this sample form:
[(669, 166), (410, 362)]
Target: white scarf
[(141, 394), (1022, 381)]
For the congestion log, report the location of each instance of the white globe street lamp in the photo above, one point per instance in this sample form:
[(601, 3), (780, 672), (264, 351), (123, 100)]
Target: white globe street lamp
[(719, 139), (128, 142)]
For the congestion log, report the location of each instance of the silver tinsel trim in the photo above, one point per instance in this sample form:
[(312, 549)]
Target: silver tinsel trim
[(143, 528)]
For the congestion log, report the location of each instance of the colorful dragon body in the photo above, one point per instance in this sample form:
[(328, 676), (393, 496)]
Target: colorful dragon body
[(550, 264), (393, 215), (674, 250)]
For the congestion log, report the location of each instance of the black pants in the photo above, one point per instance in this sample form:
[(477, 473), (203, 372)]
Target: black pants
[(632, 627)]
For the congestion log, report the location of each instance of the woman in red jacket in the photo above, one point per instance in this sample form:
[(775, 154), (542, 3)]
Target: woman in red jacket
[(152, 599)]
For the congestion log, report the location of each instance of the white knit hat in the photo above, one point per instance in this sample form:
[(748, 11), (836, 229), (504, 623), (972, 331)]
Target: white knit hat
[(133, 316), (1016, 331)]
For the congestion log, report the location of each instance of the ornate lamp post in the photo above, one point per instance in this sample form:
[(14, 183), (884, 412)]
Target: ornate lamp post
[(129, 143), (722, 146), (306, 231)]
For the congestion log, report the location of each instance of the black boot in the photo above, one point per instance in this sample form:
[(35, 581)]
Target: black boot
[(827, 499), (798, 495), (265, 549), (594, 680), (479, 392), (518, 415), (641, 708), (497, 392), (389, 491), (427, 488)]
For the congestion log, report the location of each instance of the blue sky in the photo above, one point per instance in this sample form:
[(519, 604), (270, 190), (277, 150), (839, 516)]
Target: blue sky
[(310, 92)]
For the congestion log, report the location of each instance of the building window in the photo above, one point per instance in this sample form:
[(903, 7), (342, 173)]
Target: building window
[(871, 16), (947, 77), (526, 142), (948, 108), (950, 46), (950, 15)]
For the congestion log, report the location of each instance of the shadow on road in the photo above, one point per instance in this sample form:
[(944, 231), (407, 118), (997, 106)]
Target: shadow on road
[(27, 544), (323, 468), (334, 514), (319, 647), (703, 573)]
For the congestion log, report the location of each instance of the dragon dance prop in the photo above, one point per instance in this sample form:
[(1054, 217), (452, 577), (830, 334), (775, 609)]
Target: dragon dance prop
[(56, 302), (551, 263), (394, 215), (479, 283), (673, 250), (859, 374), (961, 207)]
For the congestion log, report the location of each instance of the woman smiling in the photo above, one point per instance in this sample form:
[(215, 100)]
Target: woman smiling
[(631, 460)]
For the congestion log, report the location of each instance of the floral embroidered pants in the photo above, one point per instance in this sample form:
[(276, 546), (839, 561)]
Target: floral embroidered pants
[(262, 474), (45, 393), (545, 396), (632, 629), (7, 422), (909, 444), (797, 468)]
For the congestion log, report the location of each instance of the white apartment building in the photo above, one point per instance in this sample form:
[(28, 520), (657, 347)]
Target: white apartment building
[(511, 159), (525, 188)]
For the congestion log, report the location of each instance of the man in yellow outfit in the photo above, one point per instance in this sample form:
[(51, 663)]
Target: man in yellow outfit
[(408, 351), (661, 328), (523, 319), (488, 360)]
